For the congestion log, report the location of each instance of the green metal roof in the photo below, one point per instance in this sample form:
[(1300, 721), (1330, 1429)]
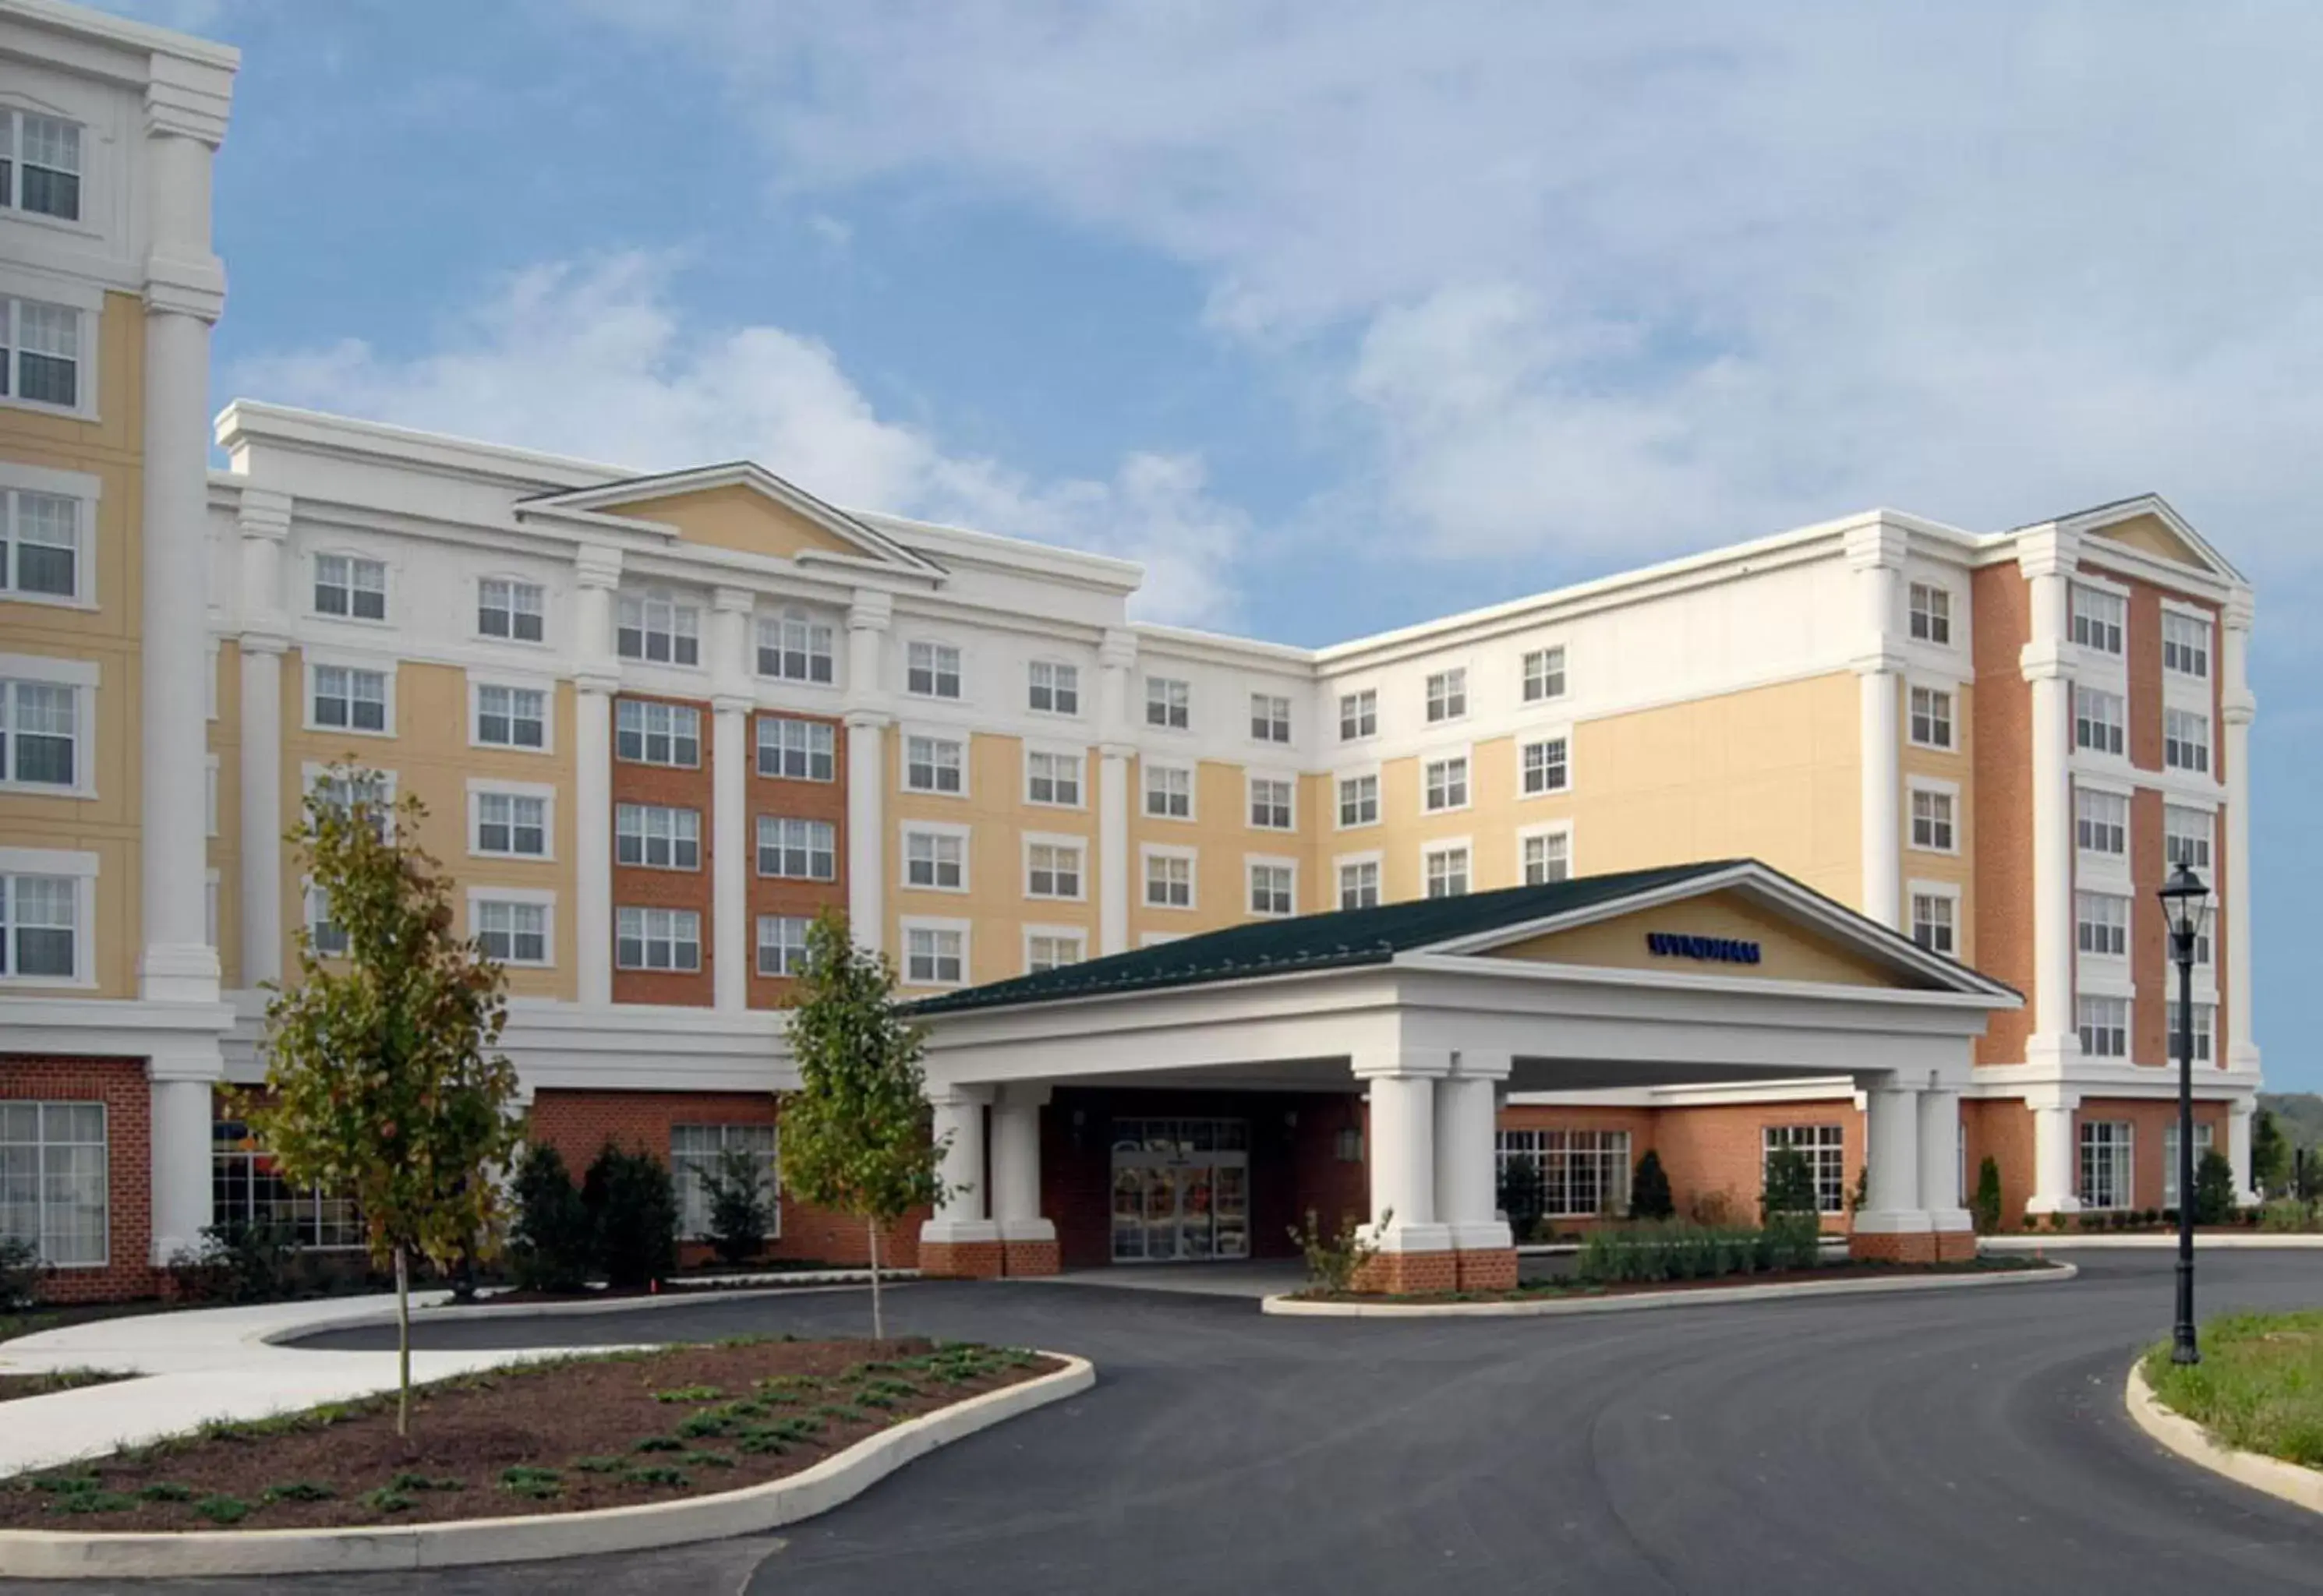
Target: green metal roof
[(1338, 940)]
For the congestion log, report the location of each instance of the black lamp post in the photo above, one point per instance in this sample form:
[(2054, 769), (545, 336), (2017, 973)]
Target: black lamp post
[(2185, 905)]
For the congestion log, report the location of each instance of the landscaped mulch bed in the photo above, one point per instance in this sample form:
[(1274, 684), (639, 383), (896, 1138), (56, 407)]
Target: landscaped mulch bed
[(1552, 1290), (597, 1432)]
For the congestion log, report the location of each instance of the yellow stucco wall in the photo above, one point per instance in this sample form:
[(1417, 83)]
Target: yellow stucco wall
[(1956, 766), (736, 518), (1787, 952)]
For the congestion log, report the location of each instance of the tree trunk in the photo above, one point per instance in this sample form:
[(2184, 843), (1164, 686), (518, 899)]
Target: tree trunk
[(403, 1342), (878, 1321)]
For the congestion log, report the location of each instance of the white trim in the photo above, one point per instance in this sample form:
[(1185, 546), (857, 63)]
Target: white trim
[(1250, 778), (1056, 662), (513, 682), (963, 652), (1373, 856), (538, 897), (1439, 845), (1937, 786), (1950, 892), (957, 830), (478, 786), (1563, 828), (1379, 799), (85, 490), (1078, 933), (311, 660), (1464, 752), (1272, 861), (944, 734), (390, 567), (476, 633), (929, 923), (1032, 839), (1076, 752), (1190, 768), (87, 300), (1929, 682), (82, 675), (1147, 851), (1534, 738), (81, 866)]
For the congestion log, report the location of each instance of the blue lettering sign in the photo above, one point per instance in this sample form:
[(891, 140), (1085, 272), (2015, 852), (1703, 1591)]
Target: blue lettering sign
[(1712, 950)]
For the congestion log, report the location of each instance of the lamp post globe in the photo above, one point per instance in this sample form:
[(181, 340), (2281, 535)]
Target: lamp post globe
[(2185, 908)]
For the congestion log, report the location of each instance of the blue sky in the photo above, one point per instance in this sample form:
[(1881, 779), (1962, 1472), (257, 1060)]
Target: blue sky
[(1340, 316)]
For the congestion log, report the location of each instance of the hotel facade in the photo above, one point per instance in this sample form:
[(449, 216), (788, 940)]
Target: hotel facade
[(661, 722)]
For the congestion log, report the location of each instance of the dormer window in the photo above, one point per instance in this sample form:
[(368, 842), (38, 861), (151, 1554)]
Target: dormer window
[(40, 165)]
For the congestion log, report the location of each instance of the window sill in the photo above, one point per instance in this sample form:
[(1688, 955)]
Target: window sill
[(48, 984), (321, 730), (9, 401), (50, 600), (79, 792)]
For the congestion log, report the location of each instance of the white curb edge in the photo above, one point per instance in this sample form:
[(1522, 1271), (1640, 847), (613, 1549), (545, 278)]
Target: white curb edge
[(2226, 1240), (2288, 1481), (1638, 1301), (40, 1554), (444, 1310)]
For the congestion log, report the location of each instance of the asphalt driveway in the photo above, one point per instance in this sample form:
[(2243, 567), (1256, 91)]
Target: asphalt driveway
[(1936, 1443)]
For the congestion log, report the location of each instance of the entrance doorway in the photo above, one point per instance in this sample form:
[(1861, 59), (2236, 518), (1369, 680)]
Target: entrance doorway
[(1180, 1189)]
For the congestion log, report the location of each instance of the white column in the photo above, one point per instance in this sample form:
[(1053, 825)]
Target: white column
[(1940, 1161), (1875, 552), (1467, 1199), (2241, 1040), (960, 1216), (1117, 664), (597, 678), (868, 621), (1403, 1151), (264, 523), (185, 291), (180, 1132), (2240, 1112), (1016, 1164), (2046, 559), (1892, 1152), (2055, 1187), (730, 754)]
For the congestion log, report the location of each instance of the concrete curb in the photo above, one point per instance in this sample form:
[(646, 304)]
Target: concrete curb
[(2288, 1481), (39, 1553), (2232, 1241), (446, 1311), (1639, 1301)]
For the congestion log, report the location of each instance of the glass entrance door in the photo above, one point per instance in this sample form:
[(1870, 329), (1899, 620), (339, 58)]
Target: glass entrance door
[(1180, 1189)]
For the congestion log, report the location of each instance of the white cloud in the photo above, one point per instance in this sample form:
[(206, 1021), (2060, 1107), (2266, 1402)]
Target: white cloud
[(592, 358)]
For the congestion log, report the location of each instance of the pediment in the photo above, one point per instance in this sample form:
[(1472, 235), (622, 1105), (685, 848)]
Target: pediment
[(744, 508)]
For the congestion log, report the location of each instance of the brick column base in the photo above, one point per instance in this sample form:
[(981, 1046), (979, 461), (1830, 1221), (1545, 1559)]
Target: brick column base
[(1030, 1258), (1489, 1269), (1955, 1246), (1891, 1246), (1406, 1274), (959, 1261)]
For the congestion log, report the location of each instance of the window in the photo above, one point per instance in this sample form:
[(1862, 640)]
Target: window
[(2170, 1150), (1054, 689), (658, 837), (1932, 718), (654, 626), (2186, 645), (1544, 674), (2104, 1027), (937, 861), (1932, 820), (247, 1189), (350, 698), (1359, 800), (2097, 619), (1049, 951), (1358, 714), (657, 940), (1447, 694), (1170, 792), (1824, 1147), (513, 824), (2204, 1014), (796, 850), (1359, 885), (1270, 804), (1053, 778), (1446, 872), (933, 956), (1932, 613), (372, 789), (39, 544), (40, 927), (40, 733), (2106, 1163), (2102, 923), (648, 731), (512, 717), (325, 935), (1933, 917), (2185, 740), (1582, 1172), (2186, 838), (40, 353), (2096, 720), (794, 647), (1168, 881), (1545, 768), (932, 765), (782, 944), (1547, 857), (346, 585), (2100, 821), (511, 932), (932, 670), (1272, 890), (798, 750), (697, 1153), (1446, 784), (1270, 717), (1052, 870), (511, 609), (40, 164), (1168, 702)]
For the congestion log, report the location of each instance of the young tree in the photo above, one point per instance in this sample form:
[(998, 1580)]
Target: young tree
[(1649, 1190), (742, 1210), (2270, 1155), (382, 1079), (855, 1134), (1985, 1205)]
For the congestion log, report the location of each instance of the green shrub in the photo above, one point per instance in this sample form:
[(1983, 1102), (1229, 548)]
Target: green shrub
[(1794, 1241), (2214, 1189), (94, 1501), (1985, 1205), (1649, 1190), (297, 1491), (240, 1262), (1522, 1193), (696, 1426), (410, 1480), (222, 1509), (633, 1214), (2287, 1215), (659, 1443), (387, 1502), (601, 1464), (550, 1242), (539, 1485), (1790, 1184), (742, 1205), (164, 1491), (1332, 1262), (20, 1272), (689, 1393), (657, 1475)]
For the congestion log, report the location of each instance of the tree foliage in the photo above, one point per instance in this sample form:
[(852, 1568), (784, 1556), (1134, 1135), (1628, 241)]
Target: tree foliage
[(742, 1210), (383, 1080), (855, 1134), (2270, 1155), (1790, 1184), (1984, 1207), (551, 1243), (1649, 1190), (632, 1206), (2214, 1189)]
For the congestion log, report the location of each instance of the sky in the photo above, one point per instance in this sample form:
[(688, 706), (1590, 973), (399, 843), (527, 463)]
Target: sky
[(1338, 315)]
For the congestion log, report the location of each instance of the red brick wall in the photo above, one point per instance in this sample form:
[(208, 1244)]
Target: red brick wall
[(121, 1084), (634, 886), (2150, 1116), (2002, 749), (795, 800), (1721, 1147), (2148, 937), (2141, 645), (2002, 1130)]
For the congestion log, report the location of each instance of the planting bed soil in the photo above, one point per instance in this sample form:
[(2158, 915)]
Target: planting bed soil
[(13, 1386), (561, 1438), (1540, 1290)]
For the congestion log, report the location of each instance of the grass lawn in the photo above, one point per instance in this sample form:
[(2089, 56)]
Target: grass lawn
[(2259, 1386)]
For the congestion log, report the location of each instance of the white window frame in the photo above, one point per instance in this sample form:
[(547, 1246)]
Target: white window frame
[(936, 926), (315, 661), (512, 609), (686, 1165), (1074, 757), (1064, 680), (2105, 1017), (1824, 1145), (645, 838), (2206, 1032), (2101, 919), (478, 685), (528, 897), (480, 788), (1928, 611), (1945, 693), (1079, 848), (1289, 785), (1287, 722), (1339, 782), (86, 302), (1541, 673), (2204, 1138), (759, 944), (387, 578), (934, 738), (42, 1183), (1448, 758), (774, 722), (2178, 740), (1528, 835), (935, 832), (81, 677), (1076, 935), (770, 634), (2118, 1149), (2100, 722), (1919, 894), (937, 650), (1372, 859), (1918, 786), (1356, 707), (1149, 852), (647, 599), (1562, 737), (1251, 864), (646, 733), (1444, 695), (2176, 831), (1148, 769), (1443, 848), (1174, 697), (2102, 628), (79, 489), (2085, 825), (2178, 618), (646, 912), (758, 824), (81, 867)]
